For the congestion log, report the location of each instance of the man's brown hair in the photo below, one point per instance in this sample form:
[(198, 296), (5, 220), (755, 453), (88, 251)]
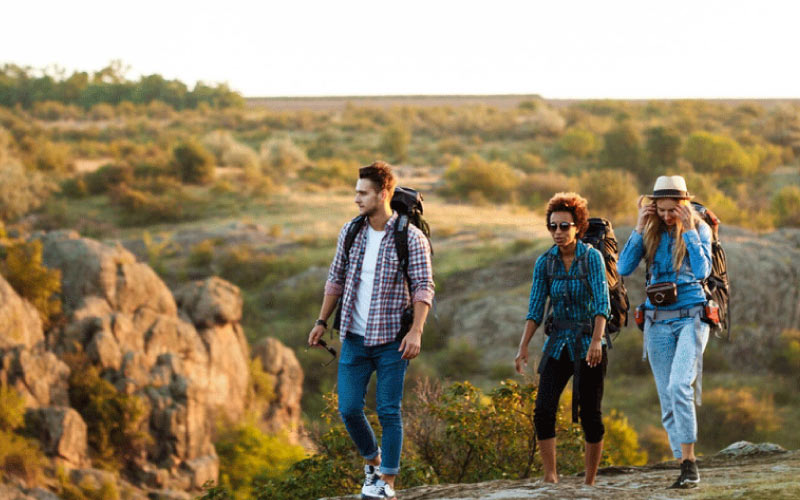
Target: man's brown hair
[(380, 173)]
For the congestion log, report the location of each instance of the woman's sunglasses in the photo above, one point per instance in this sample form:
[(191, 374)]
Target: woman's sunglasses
[(552, 226)]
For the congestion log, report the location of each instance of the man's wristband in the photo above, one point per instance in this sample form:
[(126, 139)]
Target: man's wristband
[(321, 322)]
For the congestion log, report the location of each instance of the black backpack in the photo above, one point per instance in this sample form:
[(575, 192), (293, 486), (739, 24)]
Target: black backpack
[(716, 286), (407, 203), (599, 235)]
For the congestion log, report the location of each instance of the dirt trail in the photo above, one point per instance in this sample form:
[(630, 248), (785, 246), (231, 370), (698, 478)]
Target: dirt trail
[(770, 476)]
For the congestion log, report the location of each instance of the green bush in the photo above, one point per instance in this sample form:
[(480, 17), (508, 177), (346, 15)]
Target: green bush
[(621, 442), (717, 154), (478, 180), (330, 173), (786, 206), (248, 456), (193, 163), (23, 269), (281, 157), (107, 177), (735, 414), (21, 191), (579, 143), (19, 457), (609, 192), (138, 207), (395, 141), (86, 489), (786, 353), (622, 149), (536, 189), (115, 420), (663, 145)]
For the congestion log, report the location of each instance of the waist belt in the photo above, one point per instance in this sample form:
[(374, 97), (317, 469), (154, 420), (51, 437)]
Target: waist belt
[(662, 315)]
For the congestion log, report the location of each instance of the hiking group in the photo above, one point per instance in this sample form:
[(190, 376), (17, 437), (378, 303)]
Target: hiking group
[(381, 286)]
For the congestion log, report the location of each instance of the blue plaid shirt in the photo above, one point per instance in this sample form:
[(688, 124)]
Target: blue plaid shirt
[(586, 304)]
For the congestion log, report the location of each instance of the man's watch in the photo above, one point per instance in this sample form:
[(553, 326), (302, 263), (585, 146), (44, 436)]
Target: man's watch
[(321, 322)]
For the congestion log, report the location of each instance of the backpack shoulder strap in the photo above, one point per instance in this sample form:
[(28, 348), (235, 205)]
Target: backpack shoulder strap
[(355, 227), (401, 246), (583, 267)]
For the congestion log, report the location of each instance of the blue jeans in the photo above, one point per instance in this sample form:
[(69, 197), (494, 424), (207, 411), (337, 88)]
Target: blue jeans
[(356, 365), (675, 349)]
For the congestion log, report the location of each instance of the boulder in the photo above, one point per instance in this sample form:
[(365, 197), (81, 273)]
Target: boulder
[(283, 412), (229, 371), (90, 268), (202, 469), (20, 324), (746, 448), (210, 302), (62, 432), (40, 376)]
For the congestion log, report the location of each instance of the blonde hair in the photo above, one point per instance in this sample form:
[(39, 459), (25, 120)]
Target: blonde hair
[(654, 227)]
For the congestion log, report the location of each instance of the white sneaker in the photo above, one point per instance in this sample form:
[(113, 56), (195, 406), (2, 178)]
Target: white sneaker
[(370, 477), (380, 490)]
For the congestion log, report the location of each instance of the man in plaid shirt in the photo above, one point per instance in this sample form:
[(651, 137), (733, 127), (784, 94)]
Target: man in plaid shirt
[(374, 293)]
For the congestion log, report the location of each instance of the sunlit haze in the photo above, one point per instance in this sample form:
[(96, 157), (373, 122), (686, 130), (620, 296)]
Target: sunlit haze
[(570, 49)]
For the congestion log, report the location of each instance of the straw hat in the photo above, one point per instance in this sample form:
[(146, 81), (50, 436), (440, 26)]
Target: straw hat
[(671, 186)]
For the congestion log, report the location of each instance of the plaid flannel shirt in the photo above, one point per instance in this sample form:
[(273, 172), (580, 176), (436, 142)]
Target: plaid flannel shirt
[(390, 293)]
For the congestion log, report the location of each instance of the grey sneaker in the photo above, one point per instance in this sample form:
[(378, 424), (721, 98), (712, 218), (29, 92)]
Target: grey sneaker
[(370, 477), (378, 491), (689, 478)]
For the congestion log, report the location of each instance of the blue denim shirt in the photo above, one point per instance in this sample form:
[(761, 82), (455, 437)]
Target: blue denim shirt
[(586, 303), (695, 268)]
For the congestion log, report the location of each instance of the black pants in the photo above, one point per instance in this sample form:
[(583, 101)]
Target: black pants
[(557, 373)]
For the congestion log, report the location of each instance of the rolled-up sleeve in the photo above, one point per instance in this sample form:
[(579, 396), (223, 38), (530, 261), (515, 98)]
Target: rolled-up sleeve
[(539, 292), (601, 305), (420, 268), (631, 254), (698, 246), (336, 274)]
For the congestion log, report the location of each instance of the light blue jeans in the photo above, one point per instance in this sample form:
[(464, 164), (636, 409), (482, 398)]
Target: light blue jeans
[(356, 365), (675, 349)]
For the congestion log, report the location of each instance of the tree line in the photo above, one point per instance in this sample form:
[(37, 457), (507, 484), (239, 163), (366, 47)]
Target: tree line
[(26, 86)]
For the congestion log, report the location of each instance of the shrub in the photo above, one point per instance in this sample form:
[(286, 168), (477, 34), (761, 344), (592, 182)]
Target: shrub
[(536, 189), (609, 192), (717, 154), (108, 176), (729, 415), (39, 285), (476, 179), (101, 111), (329, 173), (54, 110), (86, 489), (786, 353), (547, 122), (193, 163), (248, 456), (622, 149), (621, 441), (459, 360), (171, 204), (663, 145), (228, 151), (281, 157), (114, 419), (579, 143), (19, 457), (21, 190), (395, 141), (786, 206)]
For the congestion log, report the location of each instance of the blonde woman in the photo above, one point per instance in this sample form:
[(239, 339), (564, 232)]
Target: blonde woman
[(676, 246)]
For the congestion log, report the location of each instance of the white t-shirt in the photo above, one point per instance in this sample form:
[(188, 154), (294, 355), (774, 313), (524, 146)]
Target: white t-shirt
[(358, 325)]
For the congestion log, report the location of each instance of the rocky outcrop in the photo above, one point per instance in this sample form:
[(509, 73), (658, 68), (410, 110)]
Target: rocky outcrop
[(277, 360), (21, 325), (186, 356), (62, 433)]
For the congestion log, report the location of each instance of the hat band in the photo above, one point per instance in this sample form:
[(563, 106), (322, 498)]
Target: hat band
[(670, 193)]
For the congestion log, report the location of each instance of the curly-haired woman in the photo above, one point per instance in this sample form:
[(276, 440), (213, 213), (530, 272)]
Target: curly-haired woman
[(572, 274), (676, 244)]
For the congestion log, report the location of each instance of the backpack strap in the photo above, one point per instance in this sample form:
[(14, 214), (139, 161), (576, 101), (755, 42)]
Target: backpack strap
[(355, 227), (401, 246)]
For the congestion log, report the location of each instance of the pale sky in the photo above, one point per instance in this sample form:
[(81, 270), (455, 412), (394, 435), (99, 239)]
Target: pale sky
[(558, 49)]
